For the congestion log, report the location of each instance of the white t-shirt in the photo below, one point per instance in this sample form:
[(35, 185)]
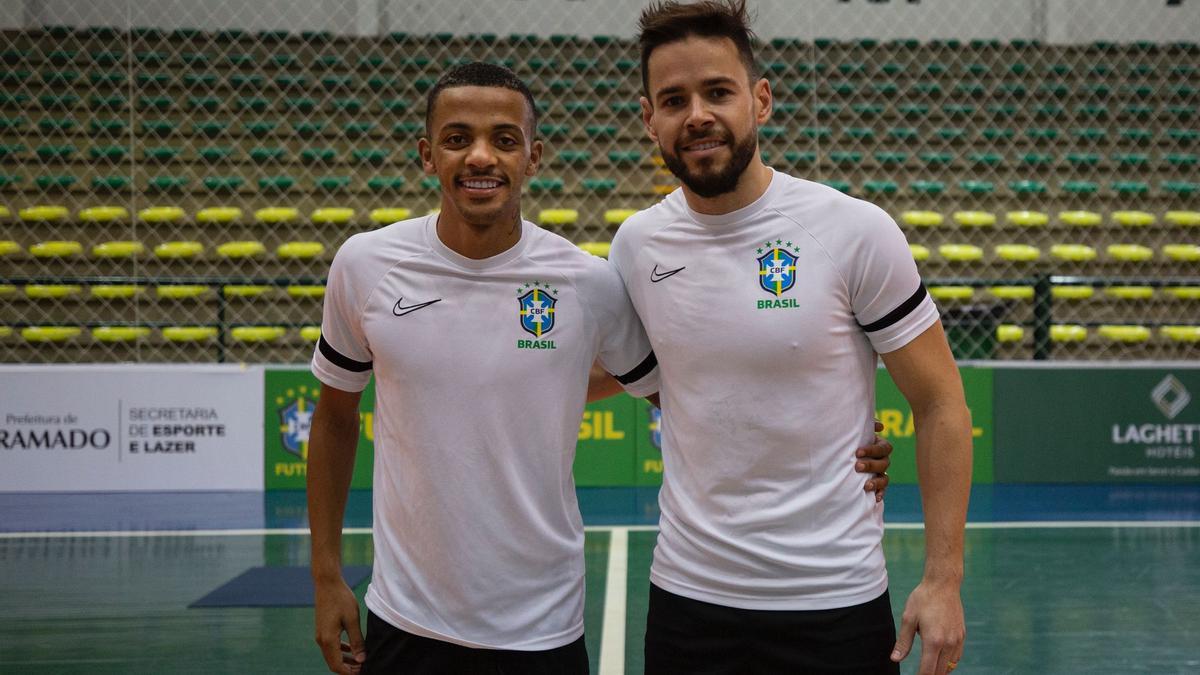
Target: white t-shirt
[(766, 323), (481, 371)]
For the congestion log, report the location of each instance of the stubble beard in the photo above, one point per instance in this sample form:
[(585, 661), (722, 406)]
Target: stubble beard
[(711, 184)]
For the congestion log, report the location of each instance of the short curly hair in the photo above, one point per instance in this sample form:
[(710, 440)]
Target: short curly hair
[(479, 74)]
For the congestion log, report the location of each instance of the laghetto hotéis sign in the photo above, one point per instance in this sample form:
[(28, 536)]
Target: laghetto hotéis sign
[(1098, 425)]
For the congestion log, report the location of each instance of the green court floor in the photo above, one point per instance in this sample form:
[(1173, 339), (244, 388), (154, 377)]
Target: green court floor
[(1039, 598)]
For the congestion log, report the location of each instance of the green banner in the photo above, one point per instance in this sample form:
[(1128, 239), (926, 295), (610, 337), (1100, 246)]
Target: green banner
[(894, 412), (1097, 425), (291, 395), (604, 454)]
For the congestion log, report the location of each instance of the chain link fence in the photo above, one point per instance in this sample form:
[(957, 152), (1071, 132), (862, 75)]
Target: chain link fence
[(175, 177)]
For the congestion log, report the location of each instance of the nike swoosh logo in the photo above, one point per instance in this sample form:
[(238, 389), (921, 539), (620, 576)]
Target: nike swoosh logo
[(656, 276), (401, 310)]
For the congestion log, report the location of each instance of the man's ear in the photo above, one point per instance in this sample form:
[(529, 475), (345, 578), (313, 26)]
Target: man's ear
[(763, 101), (647, 115), (535, 158), (425, 148)]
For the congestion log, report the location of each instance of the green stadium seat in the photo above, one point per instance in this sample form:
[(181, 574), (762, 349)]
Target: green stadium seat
[(318, 155), (395, 106), (1183, 136), (204, 103), (599, 131), (359, 129), (1136, 111), (379, 83), (599, 185), (153, 80), (625, 107), (308, 129), (51, 181), (59, 78), (1027, 187), (1002, 110), (827, 110), (1049, 111), (373, 156), (111, 183), (958, 110), (55, 153), (772, 132), (335, 82), (950, 134), (412, 128), (1130, 187), (223, 184), (299, 104), (1038, 159), (845, 158), (159, 128), (285, 60), (800, 158), (890, 158), (260, 128), (580, 107), (1180, 112), (541, 185), (989, 160), (161, 154), (927, 89), (332, 184), (13, 100), (59, 101), (1080, 187), (624, 157), (977, 187), (9, 181), (995, 134), (276, 184), (385, 184), (927, 187), (167, 183), (247, 81), (1042, 133), (1180, 188), (112, 102), (12, 151), (349, 105), (860, 134), (256, 104), (904, 134), (576, 158), (1084, 160), (785, 110), (209, 128), (936, 159), (880, 187), (839, 185), (558, 131), (1135, 136), (1092, 111)]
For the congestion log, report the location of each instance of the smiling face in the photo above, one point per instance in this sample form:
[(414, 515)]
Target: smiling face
[(481, 149), (704, 112)]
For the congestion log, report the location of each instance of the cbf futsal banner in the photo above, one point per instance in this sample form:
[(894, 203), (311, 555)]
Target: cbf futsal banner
[(1098, 425), (99, 428)]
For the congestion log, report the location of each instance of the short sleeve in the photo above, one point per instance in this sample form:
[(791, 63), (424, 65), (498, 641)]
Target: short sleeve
[(624, 348), (342, 358), (886, 293)]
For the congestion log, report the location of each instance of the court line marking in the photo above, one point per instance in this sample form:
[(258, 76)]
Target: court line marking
[(612, 636), (303, 531)]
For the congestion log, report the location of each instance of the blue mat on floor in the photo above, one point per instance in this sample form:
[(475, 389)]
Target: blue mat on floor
[(274, 587)]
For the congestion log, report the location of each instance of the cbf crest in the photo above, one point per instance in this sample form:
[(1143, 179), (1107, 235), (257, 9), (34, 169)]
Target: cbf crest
[(536, 308), (295, 419), (777, 266)]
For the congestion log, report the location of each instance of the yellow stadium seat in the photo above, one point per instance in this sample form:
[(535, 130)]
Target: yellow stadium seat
[(161, 214), (1184, 292), (43, 214), (306, 291), (240, 291), (1068, 333), (961, 252), (1133, 218), (170, 250), (1130, 252), (617, 216), (597, 248), (51, 291), (558, 216), (7, 290), (1008, 332), (1080, 218), (664, 190), (1182, 252), (974, 218), (1073, 252), (921, 218), (276, 214), (103, 214), (56, 249), (1127, 334), (919, 253), (5, 331), (218, 215), (1012, 292), (1129, 292), (5, 214), (50, 333), (1072, 292), (1027, 218), (310, 333), (9, 247), (300, 250), (241, 249), (946, 293), (189, 333), (116, 291), (120, 333), (118, 249), (332, 215), (257, 333), (1018, 252), (388, 216), (1183, 218), (1181, 333), (181, 292)]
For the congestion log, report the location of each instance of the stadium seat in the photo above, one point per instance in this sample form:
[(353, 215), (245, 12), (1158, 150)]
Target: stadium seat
[(181, 291), (1080, 187), (50, 333), (274, 215), (300, 250), (919, 253), (597, 248), (161, 214), (952, 293), (103, 214), (1027, 187), (1073, 252), (978, 188), (116, 291), (1009, 333), (1068, 333), (235, 250), (52, 291), (1018, 252), (1182, 252), (921, 218), (310, 333), (1072, 292), (930, 188), (1188, 334), (539, 185), (120, 333), (617, 216), (599, 185), (276, 184), (118, 249), (331, 184), (558, 216), (1027, 218), (1183, 218), (974, 218), (961, 253), (1080, 218), (189, 333), (9, 247), (1130, 252), (1023, 293), (332, 215), (43, 214), (56, 249), (257, 334), (1124, 333), (1129, 292), (175, 250), (389, 215), (245, 290)]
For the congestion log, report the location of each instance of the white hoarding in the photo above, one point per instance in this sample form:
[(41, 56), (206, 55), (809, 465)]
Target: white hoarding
[(130, 427)]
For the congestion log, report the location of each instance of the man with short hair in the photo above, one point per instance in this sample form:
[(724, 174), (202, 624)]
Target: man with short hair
[(481, 330), (766, 299)]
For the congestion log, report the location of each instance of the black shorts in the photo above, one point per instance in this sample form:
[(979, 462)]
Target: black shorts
[(391, 650), (700, 638)]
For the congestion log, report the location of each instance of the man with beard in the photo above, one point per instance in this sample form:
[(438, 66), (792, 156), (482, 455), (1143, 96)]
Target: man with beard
[(481, 329), (767, 299)]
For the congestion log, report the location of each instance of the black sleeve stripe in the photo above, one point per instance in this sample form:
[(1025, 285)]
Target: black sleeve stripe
[(643, 369), (341, 361), (900, 312)]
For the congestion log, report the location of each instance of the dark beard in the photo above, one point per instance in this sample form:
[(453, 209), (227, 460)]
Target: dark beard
[(711, 185)]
